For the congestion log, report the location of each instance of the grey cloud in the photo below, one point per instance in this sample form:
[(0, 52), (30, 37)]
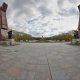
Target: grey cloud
[(60, 3), (70, 12), (53, 29), (65, 12), (73, 11), (44, 10), (25, 7), (36, 33), (73, 1), (45, 24)]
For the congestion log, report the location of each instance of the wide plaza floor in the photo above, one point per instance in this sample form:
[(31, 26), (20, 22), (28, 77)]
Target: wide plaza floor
[(40, 61)]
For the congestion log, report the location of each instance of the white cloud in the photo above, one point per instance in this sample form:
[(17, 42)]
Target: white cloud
[(42, 17)]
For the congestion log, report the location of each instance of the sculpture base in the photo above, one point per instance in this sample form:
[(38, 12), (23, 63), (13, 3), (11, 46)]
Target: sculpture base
[(75, 41), (8, 42), (4, 43), (12, 41)]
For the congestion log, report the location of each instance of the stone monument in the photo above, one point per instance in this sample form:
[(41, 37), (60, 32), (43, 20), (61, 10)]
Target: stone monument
[(76, 39), (5, 36), (79, 23), (3, 23)]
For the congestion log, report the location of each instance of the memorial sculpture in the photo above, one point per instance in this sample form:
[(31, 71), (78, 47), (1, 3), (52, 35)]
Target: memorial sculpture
[(5, 36), (76, 39), (76, 34), (10, 34), (79, 23), (3, 23)]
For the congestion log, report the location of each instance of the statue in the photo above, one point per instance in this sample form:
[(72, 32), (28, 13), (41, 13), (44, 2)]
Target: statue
[(10, 34), (79, 23), (3, 23), (76, 34)]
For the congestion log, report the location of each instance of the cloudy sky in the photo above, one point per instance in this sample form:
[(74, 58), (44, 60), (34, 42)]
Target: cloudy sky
[(42, 17)]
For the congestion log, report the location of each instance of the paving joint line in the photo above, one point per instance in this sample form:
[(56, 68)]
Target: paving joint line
[(48, 63)]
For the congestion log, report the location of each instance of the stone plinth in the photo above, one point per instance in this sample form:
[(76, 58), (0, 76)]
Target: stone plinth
[(63, 40), (3, 23), (4, 42), (12, 41), (21, 41), (75, 41), (8, 42)]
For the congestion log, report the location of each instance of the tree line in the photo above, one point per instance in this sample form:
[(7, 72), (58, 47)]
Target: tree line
[(23, 36), (61, 37)]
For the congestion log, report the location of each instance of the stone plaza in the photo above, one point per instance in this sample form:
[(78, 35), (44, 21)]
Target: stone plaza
[(40, 61)]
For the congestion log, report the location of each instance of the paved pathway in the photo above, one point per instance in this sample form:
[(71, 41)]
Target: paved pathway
[(40, 61)]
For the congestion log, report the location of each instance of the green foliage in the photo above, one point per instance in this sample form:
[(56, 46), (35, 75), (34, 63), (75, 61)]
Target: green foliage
[(38, 38), (21, 36), (64, 36)]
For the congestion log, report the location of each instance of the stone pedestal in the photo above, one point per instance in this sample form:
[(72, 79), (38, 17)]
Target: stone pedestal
[(75, 41), (8, 42), (21, 41), (12, 41), (63, 40), (4, 42)]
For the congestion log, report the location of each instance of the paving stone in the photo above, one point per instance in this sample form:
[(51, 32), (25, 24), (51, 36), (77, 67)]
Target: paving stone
[(72, 71), (30, 67), (5, 76), (4, 66), (66, 65), (77, 77), (46, 61), (4, 55), (61, 60), (26, 75), (42, 76), (20, 64), (42, 68), (23, 75), (69, 58), (78, 65), (13, 71), (42, 61), (6, 58), (55, 66), (58, 57), (74, 61), (59, 75), (31, 76), (32, 61)]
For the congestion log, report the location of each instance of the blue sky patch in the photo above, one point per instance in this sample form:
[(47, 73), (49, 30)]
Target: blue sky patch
[(33, 20), (58, 19)]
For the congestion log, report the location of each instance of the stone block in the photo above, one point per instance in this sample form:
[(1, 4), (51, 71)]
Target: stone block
[(63, 40), (75, 41), (21, 41), (4, 43), (12, 41)]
